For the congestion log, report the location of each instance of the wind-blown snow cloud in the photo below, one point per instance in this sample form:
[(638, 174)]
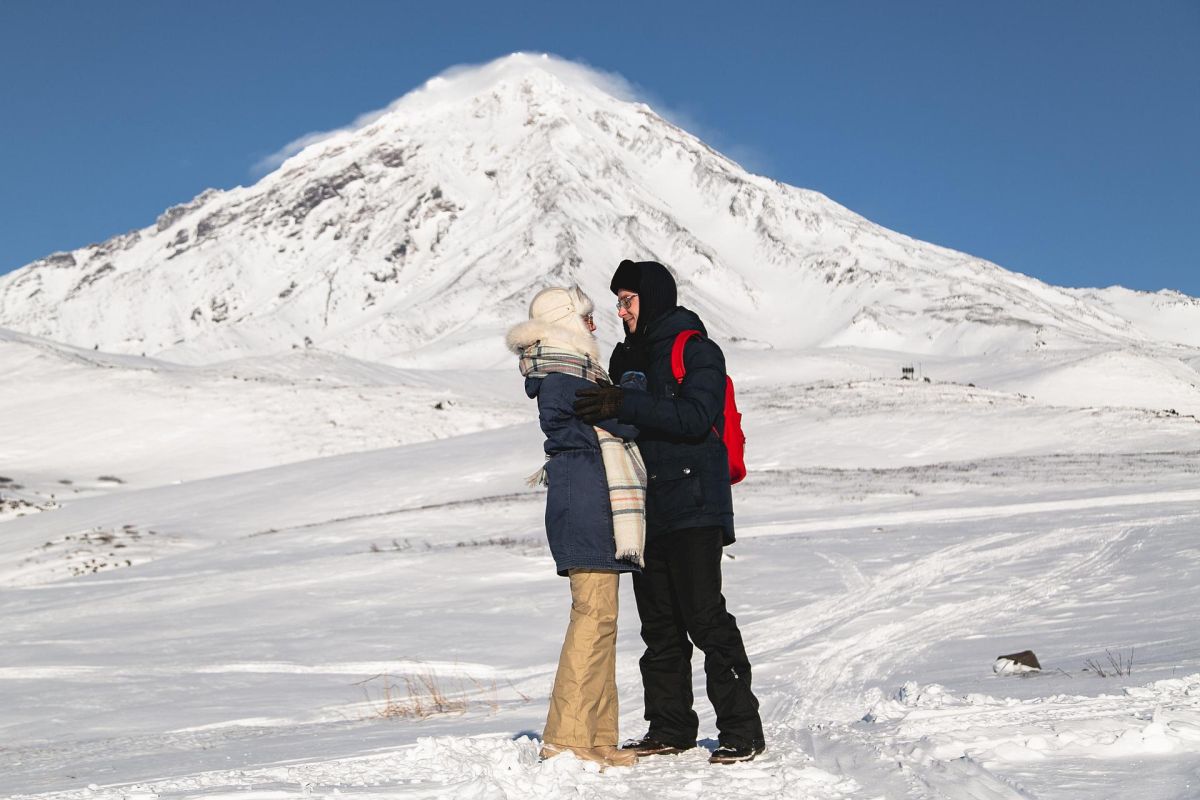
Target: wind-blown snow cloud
[(276, 159), (459, 82), (464, 80)]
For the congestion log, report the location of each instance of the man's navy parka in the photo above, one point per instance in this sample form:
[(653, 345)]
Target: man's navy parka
[(686, 460)]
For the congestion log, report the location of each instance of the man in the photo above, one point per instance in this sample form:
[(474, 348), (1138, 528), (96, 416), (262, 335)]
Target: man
[(689, 518)]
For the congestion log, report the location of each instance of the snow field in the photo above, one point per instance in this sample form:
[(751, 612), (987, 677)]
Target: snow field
[(271, 638)]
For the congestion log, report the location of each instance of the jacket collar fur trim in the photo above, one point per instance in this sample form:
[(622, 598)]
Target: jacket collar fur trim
[(565, 335)]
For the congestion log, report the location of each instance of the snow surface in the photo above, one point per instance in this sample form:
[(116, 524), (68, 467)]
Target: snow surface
[(264, 531), (253, 611)]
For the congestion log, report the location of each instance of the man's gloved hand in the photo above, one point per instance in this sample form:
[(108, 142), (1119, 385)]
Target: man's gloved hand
[(600, 403)]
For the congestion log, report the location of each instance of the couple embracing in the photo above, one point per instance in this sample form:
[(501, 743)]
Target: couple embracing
[(638, 482)]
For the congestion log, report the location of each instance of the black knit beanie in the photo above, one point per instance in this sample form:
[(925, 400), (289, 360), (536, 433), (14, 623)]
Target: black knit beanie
[(628, 276), (653, 284)]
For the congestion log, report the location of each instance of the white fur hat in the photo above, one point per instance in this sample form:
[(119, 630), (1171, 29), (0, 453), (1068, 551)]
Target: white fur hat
[(556, 320)]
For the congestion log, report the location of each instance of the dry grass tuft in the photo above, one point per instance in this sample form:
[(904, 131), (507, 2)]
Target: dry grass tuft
[(1118, 664), (421, 697)]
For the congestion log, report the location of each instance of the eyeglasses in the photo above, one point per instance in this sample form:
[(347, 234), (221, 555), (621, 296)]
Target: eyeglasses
[(625, 302)]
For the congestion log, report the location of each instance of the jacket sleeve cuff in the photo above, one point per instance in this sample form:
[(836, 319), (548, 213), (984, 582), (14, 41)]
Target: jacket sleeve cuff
[(619, 429), (633, 405)]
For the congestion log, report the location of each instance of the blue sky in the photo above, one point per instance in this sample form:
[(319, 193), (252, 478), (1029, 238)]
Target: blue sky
[(1058, 139)]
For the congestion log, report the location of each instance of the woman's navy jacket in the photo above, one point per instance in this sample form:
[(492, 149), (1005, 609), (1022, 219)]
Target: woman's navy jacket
[(579, 522)]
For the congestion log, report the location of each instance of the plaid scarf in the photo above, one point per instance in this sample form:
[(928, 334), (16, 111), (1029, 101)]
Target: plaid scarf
[(624, 470), (538, 362)]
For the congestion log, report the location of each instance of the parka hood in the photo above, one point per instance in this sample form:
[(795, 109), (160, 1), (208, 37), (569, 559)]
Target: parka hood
[(654, 285)]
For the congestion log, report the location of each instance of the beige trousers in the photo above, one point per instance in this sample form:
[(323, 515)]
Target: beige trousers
[(583, 705)]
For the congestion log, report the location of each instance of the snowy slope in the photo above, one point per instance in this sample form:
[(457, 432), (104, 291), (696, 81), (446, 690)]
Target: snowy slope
[(1166, 315), (81, 414), (246, 634), (416, 236)]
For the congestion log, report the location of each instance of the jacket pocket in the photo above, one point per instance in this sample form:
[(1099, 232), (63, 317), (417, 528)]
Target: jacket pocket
[(558, 502), (674, 489)]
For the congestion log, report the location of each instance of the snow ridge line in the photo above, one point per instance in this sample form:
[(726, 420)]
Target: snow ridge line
[(474, 501), (938, 515)]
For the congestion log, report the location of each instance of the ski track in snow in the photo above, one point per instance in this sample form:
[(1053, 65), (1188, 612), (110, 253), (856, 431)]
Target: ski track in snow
[(845, 656), (847, 638)]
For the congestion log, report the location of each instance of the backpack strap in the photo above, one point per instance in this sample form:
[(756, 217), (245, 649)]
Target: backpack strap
[(681, 339), (677, 369)]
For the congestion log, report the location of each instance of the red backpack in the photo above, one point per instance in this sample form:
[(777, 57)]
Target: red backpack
[(732, 436)]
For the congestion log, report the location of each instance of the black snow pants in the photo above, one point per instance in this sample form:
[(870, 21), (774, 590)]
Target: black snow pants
[(679, 596)]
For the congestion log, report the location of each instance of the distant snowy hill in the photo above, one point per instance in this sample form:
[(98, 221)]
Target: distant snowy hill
[(80, 414), (416, 237)]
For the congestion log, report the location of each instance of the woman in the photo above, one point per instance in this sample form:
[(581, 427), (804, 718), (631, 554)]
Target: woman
[(595, 476)]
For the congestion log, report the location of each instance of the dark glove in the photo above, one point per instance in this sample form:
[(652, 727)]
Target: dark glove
[(600, 403)]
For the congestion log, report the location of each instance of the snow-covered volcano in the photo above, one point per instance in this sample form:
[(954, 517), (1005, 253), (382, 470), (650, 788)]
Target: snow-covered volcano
[(416, 236)]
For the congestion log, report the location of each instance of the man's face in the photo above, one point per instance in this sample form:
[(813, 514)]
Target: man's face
[(627, 309)]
